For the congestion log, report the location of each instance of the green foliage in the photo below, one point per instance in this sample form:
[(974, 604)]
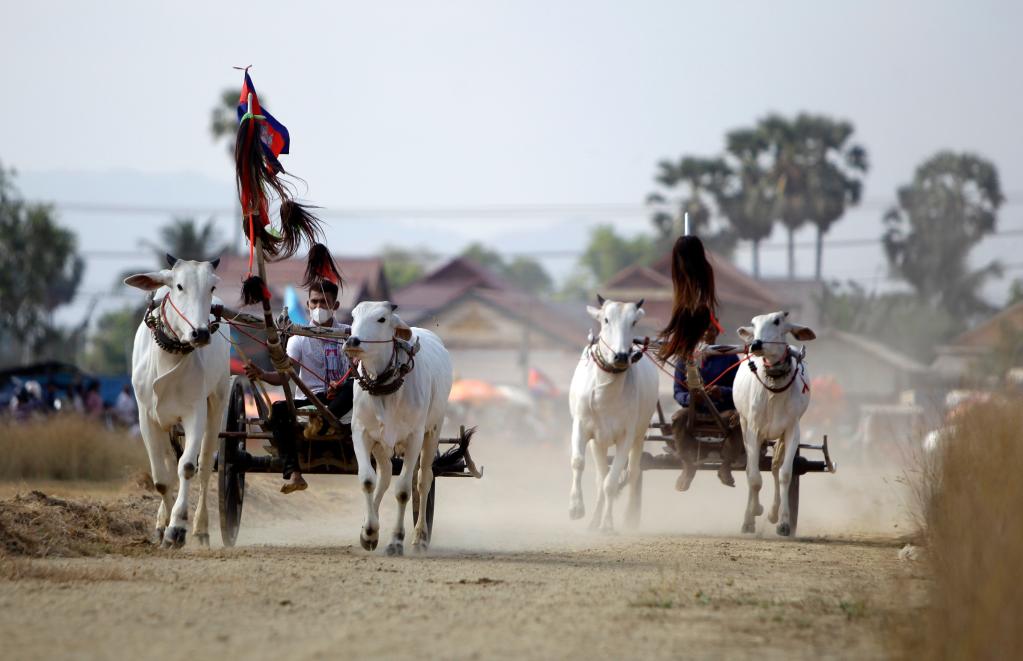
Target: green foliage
[(525, 272), (1015, 292), (608, 253), (186, 238), (693, 185), (899, 320), (39, 271), (111, 344), (951, 204), (403, 266), (224, 119)]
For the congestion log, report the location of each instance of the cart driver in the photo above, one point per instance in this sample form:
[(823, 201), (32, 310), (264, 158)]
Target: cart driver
[(322, 366), (718, 370)]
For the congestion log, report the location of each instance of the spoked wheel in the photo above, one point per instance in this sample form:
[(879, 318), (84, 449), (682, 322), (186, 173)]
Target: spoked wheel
[(429, 508), (230, 474)]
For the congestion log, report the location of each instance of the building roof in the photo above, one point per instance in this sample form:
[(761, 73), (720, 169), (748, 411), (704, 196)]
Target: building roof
[(463, 279), (882, 352), (989, 333), (362, 276), (733, 286)]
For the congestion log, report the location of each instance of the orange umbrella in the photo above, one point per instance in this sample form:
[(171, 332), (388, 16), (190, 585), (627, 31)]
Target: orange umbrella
[(472, 390)]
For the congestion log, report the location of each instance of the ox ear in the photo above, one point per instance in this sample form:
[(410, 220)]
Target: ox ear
[(149, 281), (640, 313), (746, 333), (215, 263), (802, 333), (593, 312), (401, 329)]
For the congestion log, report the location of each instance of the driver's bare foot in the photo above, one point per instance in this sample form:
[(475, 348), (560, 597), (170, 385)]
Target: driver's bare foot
[(296, 483), (726, 478)]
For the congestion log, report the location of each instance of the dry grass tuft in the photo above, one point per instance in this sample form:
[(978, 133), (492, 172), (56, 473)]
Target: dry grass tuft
[(38, 525), (971, 504), (67, 447)]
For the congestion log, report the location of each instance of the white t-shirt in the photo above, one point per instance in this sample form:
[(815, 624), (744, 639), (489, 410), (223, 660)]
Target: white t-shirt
[(322, 356)]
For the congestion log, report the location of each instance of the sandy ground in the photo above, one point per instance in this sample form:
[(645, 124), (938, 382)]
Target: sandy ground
[(508, 576)]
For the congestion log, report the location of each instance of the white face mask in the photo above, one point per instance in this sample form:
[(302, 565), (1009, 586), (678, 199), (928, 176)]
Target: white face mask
[(321, 316)]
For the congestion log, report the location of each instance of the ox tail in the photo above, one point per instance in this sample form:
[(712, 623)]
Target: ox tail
[(457, 459)]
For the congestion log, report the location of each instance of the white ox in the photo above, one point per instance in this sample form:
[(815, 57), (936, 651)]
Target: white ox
[(770, 402), (406, 422), (612, 400), (187, 385)]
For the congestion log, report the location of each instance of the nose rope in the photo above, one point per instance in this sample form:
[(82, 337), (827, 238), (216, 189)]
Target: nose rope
[(163, 314)]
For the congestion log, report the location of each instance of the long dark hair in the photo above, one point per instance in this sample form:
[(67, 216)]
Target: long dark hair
[(695, 305)]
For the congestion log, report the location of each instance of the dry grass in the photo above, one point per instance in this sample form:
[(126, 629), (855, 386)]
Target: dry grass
[(67, 447), (971, 504), (37, 525)]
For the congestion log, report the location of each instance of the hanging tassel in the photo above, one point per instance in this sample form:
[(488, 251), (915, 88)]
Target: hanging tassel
[(298, 224), (320, 266), (254, 290)]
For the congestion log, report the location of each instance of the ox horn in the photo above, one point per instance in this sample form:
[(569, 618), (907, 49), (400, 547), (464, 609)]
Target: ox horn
[(640, 304), (215, 263), (600, 300), (171, 260)]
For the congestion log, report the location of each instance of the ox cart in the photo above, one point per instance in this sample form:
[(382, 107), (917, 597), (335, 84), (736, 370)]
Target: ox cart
[(325, 442), (707, 431)]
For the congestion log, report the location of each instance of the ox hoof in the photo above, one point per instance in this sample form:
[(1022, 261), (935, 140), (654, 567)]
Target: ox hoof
[(576, 511), (784, 529), (203, 539), (421, 547), (749, 528), (158, 537), (174, 538), (368, 543), (395, 548)]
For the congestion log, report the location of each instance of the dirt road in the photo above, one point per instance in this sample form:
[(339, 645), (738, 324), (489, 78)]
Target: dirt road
[(508, 577)]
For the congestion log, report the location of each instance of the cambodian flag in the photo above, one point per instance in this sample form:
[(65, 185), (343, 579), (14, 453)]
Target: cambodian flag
[(272, 134)]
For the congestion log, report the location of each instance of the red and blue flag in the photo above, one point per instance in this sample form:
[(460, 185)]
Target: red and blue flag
[(272, 134)]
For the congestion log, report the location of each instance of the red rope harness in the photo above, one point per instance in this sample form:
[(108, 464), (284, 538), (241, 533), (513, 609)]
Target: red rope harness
[(166, 322)]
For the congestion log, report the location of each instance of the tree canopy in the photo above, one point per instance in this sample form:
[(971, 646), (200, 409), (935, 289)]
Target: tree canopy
[(951, 204), (525, 272), (40, 270)]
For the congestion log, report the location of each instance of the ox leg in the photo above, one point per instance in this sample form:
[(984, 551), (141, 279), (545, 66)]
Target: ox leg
[(784, 479), (633, 478), (403, 490), (754, 479), (370, 534), (421, 536), (612, 485), (201, 525), (161, 461), (195, 429), (576, 508), (600, 463)]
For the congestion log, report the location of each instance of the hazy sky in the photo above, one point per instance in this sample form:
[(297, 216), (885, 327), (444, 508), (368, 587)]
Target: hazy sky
[(416, 105)]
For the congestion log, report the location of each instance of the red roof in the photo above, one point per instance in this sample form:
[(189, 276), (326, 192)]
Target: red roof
[(461, 279)]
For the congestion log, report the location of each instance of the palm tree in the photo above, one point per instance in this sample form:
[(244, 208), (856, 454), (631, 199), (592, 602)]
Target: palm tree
[(703, 181), (224, 119), (788, 177), (185, 238), (749, 200), (833, 169)]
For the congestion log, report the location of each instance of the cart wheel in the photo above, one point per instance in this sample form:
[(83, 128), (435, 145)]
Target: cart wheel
[(429, 509), (230, 474), (794, 500)]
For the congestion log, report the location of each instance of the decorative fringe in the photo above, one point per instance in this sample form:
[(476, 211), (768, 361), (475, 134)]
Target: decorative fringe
[(254, 290), (320, 266), (256, 177), (298, 224)]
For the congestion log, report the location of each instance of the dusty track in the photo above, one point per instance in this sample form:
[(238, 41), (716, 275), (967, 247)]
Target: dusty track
[(509, 576)]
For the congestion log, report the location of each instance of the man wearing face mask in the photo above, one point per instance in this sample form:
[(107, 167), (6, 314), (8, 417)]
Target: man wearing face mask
[(322, 364)]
